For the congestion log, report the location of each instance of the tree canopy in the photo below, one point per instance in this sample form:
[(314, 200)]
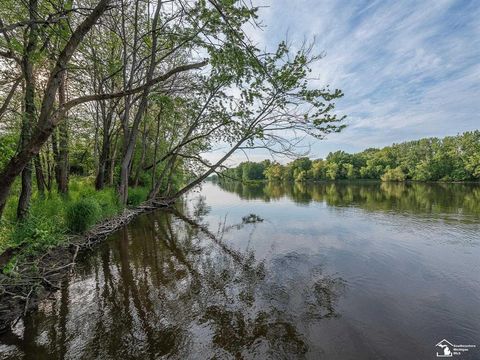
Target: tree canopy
[(453, 158)]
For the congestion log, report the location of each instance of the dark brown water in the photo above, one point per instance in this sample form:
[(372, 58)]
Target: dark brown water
[(327, 271)]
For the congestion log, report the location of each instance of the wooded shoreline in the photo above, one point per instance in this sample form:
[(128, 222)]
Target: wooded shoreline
[(449, 159)]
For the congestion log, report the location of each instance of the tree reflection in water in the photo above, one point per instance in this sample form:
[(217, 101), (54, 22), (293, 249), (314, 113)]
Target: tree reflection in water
[(167, 286), (413, 197)]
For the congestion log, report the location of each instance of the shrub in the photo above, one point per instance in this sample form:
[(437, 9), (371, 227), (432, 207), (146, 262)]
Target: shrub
[(82, 214), (393, 175)]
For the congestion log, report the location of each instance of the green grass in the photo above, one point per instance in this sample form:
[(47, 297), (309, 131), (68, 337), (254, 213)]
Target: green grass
[(136, 196), (53, 217)]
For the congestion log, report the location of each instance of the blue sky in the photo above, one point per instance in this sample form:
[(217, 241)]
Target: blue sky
[(409, 69)]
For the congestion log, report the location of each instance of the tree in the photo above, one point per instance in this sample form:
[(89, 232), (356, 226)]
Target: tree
[(393, 175), (274, 172)]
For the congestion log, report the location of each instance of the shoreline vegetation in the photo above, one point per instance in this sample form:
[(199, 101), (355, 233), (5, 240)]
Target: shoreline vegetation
[(450, 159), (219, 178), (34, 268), (54, 218)]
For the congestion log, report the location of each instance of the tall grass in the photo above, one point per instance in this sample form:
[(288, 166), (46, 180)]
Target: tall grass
[(136, 196), (82, 214)]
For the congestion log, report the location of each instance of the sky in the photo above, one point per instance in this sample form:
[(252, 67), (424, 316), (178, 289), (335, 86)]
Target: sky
[(408, 69)]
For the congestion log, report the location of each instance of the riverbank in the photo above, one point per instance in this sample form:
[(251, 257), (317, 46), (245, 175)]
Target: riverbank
[(53, 216), (40, 273)]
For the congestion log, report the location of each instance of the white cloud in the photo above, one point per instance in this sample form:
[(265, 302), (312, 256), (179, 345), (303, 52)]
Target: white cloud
[(409, 69)]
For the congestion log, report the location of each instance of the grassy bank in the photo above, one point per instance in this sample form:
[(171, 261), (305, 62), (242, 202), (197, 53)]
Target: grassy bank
[(53, 217)]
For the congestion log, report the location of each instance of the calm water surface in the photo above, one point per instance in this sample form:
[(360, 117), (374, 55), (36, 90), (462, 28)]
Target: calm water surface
[(327, 271)]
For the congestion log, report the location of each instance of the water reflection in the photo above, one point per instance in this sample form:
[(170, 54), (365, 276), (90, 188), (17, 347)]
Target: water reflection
[(418, 198), (168, 286), (332, 271)]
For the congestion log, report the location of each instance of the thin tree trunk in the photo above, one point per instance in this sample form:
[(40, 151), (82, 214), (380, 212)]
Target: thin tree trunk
[(29, 112), (56, 156), (39, 176), (142, 156), (106, 145), (63, 141), (102, 165), (46, 164), (130, 142), (111, 163), (155, 152)]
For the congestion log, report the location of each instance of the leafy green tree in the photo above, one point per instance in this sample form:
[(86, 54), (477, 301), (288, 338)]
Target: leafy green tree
[(253, 171), (274, 172), (318, 170), (332, 170), (394, 175)]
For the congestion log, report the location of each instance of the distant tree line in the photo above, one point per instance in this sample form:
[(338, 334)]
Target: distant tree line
[(453, 158)]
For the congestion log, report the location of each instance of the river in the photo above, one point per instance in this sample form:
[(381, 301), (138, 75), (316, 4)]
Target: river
[(273, 271)]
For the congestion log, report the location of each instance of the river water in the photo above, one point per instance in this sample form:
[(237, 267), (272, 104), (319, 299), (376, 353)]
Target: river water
[(273, 271)]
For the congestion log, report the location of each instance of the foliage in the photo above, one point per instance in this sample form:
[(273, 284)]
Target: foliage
[(7, 148), (136, 196), (393, 175), (39, 233), (52, 216), (151, 89), (453, 158)]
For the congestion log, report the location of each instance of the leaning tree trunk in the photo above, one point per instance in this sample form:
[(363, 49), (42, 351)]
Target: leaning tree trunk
[(132, 134), (211, 169)]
